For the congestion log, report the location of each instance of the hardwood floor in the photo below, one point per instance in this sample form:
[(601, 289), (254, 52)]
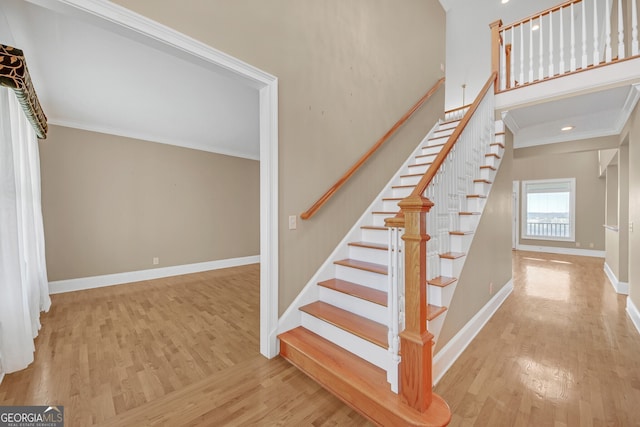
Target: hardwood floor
[(561, 351), (183, 351)]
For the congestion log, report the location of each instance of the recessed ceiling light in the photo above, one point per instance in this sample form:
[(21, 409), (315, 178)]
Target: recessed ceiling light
[(567, 128), (505, 1), (535, 27)]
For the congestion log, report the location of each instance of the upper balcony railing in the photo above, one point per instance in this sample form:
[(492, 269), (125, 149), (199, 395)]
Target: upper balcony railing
[(571, 37)]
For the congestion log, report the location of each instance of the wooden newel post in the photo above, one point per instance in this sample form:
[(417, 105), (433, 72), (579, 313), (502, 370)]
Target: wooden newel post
[(416, 380), (496, 44)]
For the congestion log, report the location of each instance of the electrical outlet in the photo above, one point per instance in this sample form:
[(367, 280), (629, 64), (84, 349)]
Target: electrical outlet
[(293, 222), (156, 260), (631, 227)]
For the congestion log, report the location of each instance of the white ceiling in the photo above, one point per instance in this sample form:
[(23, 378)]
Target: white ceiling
[(99, 79), (592, 115)]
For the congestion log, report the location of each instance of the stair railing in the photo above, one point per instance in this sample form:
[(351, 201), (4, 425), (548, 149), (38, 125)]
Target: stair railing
[(366, 156), (409, 262), (573, 36)]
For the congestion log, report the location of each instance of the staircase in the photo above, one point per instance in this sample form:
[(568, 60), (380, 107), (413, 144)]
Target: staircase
[(343, 338)]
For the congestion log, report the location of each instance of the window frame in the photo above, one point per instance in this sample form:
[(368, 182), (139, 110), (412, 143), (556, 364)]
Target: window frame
[(572, 209)]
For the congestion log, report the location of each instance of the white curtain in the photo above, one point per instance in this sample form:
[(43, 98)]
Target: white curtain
[(24, 289)]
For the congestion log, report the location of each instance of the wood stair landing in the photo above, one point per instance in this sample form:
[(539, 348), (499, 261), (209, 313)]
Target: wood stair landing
[(359, 384)]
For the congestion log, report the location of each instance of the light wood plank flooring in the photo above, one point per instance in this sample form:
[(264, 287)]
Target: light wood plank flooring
[(184, 351)]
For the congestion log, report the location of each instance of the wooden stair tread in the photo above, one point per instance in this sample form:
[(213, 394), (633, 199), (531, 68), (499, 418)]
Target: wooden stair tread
[(499, 144), (500, 133), (375, 333), (384, 213), (460, 233), (356, 382), (373, 227), (493, 155), (412, 175), (441, 281), (392, 199), (434, 145), (483, 181), (452, 255), (368, 294), (434, 311), (405, 186), (476, 196), (370, 245), (415, 165), (468, 213), (363, 265), (488, 167)]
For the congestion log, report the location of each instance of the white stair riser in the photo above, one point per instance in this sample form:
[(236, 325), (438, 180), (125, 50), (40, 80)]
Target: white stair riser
[(364, 349), (378, 219), (499, 126), (451, 267), (390, 206), (375, 236), (476, 204), (402, 192), (449, 125), (499, 138), (491, 161), (410, 180), (481, 188), (418, 168), (496, 149), (440, 296), (443, 131), (469, 222), (375, 256), (427, 150), (377, 313), (486, 173), (362, 277), (438, 140), (435, 325), (426, 158), (461, 243)]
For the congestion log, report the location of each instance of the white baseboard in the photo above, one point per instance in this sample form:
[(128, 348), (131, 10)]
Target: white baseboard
[(620, 287), (562, 251), (1, 377), (446, 357), (82, 283), (633, 313)]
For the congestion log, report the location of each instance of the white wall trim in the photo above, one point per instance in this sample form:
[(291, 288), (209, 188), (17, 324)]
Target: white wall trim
[(447, 356), (1, 377), (633, 313), (620, 287), (82, 283), (104, 13), (562, 251)]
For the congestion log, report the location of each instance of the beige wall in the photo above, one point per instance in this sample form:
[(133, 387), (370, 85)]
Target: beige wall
[(111, 204), (634, 207), (611, 196), (623, 212), (590, 191), (489, 257), (347, 71)]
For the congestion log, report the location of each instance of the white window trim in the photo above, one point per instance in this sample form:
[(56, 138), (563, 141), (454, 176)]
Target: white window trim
[(572, 208)]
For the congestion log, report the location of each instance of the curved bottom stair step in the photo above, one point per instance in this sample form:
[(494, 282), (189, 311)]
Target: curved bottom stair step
[(359, 384)]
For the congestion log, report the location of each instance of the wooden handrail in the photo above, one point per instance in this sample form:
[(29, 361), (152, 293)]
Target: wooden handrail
[(398, 220), (539, 14), (326, 196)]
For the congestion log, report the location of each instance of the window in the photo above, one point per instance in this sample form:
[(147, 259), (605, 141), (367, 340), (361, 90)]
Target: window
[(549, 209)]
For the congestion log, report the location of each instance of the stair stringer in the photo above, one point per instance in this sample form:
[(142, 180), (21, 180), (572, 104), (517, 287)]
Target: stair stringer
[(292, 316), (446, 296)]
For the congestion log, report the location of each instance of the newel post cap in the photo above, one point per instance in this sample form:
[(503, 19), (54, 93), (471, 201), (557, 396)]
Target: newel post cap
[(415, 203)]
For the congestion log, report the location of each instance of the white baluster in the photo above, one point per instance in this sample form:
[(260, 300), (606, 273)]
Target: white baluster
[(572, 66), (596, 43), (551, 45), (584, 36), (513, 70), (530, 50), (503, 61), (561, 64), (620, 31), (607, 47), (540, 51), (521, 54), (634, 28)]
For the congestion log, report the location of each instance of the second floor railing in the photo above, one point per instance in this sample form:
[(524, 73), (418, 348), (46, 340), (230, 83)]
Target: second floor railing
[(573, 36)]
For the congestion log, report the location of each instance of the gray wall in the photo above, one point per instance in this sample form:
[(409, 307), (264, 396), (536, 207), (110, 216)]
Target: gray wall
[(536, 163), (111, 204), (347, 71)]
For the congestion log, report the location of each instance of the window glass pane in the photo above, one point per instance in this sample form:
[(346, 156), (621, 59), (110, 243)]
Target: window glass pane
[(548, 214)]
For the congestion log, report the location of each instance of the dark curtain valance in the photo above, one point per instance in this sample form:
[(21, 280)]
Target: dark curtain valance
[(14, 75)]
